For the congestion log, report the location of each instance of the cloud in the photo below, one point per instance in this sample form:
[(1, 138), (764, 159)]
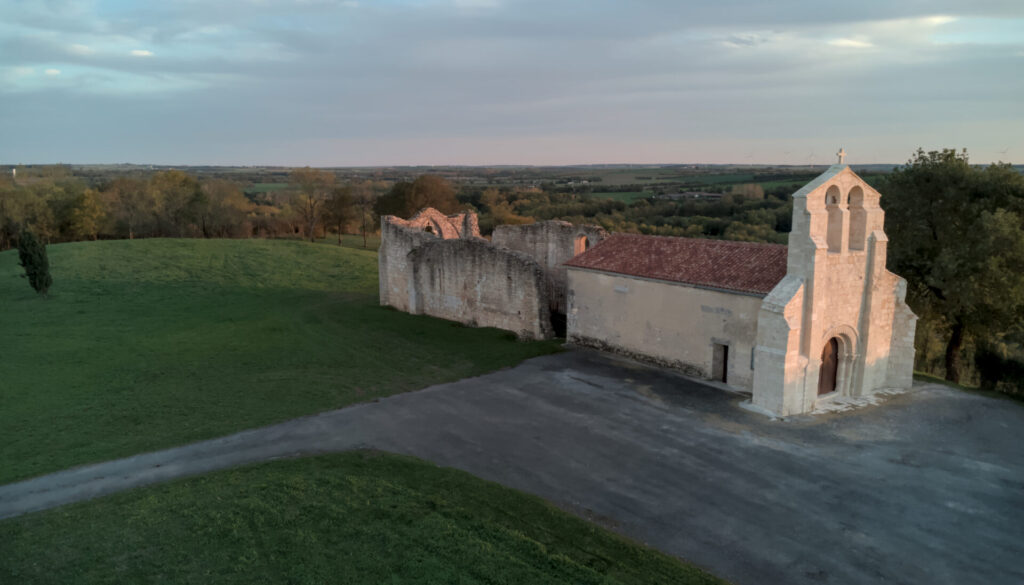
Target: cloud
[(261, 78), (52, 71), (851, 44), (938, 20), (82, 50), (476, 3)]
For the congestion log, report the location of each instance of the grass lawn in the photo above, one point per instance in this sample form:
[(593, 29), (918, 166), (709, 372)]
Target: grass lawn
[(147, 344), (352, 241), (359, 517)]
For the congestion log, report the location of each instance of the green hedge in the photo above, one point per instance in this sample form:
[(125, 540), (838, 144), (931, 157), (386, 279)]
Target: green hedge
[(1001, 368)]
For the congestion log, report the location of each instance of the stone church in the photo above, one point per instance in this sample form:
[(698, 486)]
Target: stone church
[(794, 325)]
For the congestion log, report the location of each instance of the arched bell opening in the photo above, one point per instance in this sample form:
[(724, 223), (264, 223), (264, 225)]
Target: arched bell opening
[(858, 219), (834, 207)]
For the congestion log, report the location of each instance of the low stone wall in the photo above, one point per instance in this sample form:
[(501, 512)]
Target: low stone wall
[(474, 282), (551, 244)]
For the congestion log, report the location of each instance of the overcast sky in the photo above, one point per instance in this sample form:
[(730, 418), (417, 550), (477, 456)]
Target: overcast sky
[(375, 82)]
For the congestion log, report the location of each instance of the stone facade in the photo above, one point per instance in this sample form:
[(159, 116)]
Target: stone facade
[(837, 296), (551, 244), (439, 265)]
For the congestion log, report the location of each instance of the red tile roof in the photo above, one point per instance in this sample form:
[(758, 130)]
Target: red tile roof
[(736, 266)]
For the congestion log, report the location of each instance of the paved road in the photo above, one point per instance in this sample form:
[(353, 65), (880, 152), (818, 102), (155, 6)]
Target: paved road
[(928, 488)]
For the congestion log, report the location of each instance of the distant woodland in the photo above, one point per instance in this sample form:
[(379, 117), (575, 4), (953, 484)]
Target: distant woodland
[(956, 230)]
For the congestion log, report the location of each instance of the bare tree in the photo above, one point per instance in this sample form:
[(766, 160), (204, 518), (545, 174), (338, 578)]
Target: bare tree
[(338, 208), (314, 187)]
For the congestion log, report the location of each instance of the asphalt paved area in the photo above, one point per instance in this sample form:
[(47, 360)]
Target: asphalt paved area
[(926, 488)]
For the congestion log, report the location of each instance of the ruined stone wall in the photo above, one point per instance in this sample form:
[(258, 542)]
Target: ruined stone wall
[(439, 265), (399, 236), (474, 282), (551, 244)]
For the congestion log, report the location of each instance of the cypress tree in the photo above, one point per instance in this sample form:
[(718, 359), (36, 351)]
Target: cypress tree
[(32, 257)]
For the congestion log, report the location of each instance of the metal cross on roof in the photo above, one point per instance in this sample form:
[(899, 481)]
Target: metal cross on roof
[(842, 155)]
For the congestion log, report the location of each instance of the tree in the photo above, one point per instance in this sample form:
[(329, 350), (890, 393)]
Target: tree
[(957, 235), (177, 196), (365, 195), (751, 191), (32, 257), (405, 198), (499, 210), (338, 209), (86, 215), (224, 210), (313, 188), (129, 201)]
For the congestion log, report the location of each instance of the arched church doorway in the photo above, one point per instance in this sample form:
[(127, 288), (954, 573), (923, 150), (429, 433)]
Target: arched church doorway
[(829, 367)]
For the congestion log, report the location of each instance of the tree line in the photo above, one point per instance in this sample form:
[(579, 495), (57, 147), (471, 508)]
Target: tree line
[(59, 207)]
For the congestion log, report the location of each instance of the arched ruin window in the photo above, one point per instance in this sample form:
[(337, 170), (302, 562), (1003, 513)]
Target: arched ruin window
[(858, 219), (429, 229), (581, 245), (835, 219)]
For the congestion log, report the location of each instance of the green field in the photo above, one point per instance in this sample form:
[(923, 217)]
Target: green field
[(147, 344), (626, 196), (267, 187), (360, 517)]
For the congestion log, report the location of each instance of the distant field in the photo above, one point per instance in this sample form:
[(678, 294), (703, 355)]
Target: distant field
[(147, 344), (627, 196), (794, 185), (267, 187), (719, 179), (361, 517)]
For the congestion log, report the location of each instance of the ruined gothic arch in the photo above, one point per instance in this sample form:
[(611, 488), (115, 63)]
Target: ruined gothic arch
[(846, 339)]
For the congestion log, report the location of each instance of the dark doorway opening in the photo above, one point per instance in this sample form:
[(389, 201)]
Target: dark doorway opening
[(829, 367), (558, 323), (720, 363)]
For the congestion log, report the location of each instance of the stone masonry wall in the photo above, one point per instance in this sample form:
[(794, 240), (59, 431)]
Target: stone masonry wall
[(439, 265), (398, 237), (551, 244), (474, 282)]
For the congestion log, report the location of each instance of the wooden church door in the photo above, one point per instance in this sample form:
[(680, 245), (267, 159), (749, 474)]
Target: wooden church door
[(829, 367)]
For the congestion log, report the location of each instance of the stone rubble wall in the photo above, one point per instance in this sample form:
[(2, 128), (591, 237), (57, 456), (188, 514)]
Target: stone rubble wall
[(551, 244), (395, 271), (400, 236), (452, 273), (476, 283)]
